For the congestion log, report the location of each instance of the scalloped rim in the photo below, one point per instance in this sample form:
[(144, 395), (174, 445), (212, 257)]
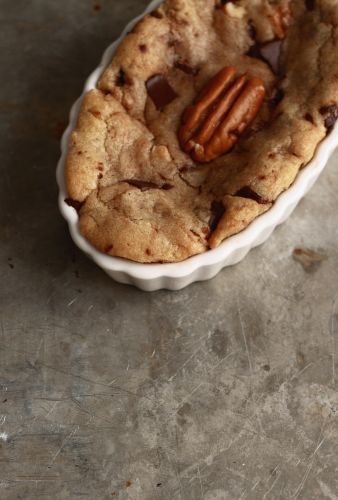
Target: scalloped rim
[(211, 261)]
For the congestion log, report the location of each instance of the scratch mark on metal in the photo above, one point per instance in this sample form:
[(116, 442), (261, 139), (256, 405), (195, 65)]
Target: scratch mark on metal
[(236, 473), (203, 382), (177, 474), (298, 374), (326, 490), (244, 338), (309, 467), (52, 409), (184, 364), (242, 495), (222, 360), (200, 481), (255, 485), (37, 354), (191, 393), (273, 484), (70, 435), (2, 329), (74, 375)]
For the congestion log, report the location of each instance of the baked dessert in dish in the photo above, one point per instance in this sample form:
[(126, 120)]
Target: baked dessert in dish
[(204, 117)]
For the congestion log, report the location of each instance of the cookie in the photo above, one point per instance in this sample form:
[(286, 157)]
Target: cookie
[(206, 114)]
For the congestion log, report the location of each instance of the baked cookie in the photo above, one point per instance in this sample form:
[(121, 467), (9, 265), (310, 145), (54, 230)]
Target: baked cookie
[(205, 115)]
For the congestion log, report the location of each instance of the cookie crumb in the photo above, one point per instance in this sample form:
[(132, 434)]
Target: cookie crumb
[(310, 260)]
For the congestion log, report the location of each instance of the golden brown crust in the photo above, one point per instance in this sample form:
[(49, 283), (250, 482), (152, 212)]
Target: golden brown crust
[(143, 197)]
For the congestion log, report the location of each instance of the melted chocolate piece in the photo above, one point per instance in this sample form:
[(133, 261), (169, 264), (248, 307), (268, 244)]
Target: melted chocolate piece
[(310, 4), (330, 114), (160, 92), (217, 211), (187, 69), (74, 204), (276, 98), (157, 14), (121, 78), (309, 118), (247, 192), (269, 52)]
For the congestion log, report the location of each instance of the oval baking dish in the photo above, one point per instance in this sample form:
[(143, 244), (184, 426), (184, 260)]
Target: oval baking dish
[(150, 277)]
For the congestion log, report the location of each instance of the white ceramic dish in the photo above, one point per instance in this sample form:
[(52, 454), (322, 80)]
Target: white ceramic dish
[(150, 277)]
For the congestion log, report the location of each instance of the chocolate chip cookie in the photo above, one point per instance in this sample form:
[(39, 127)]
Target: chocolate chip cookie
[(206, 114)]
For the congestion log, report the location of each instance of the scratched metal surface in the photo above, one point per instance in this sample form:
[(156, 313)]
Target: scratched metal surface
[(226, 390)]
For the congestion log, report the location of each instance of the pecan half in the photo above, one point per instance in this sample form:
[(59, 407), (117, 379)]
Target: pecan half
[(220, 114), (280, 20)]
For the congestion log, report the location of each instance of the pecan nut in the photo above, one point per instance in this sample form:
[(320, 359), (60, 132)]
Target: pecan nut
[(280, 19), (220, 115)]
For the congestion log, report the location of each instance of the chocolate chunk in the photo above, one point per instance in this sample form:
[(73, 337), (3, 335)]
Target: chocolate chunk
[(217, 212), (187, 69), (74, 203), (308, 118), (157, 14), (143, 48), (330, 114), (160, 91), (269, 52), (121, 79), (254, 51), (247, 192), (276, 98), (310, 4)]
